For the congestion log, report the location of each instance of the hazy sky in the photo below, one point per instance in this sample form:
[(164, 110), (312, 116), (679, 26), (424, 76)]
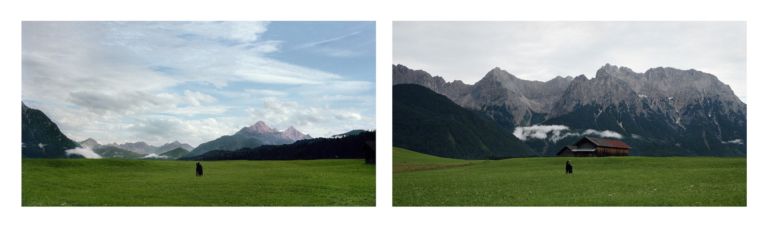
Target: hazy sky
[(542, 50), (195, 81)]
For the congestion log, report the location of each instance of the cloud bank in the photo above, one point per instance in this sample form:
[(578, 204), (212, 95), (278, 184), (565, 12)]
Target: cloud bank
[(194, 81), (555, 133), (83, 151)]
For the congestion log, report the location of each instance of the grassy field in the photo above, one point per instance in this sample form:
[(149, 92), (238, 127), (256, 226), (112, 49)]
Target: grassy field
[(423, 180), (82, 182)]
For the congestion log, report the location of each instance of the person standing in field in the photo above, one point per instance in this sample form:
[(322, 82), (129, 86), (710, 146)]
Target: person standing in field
[(198, 169), (568, 167)]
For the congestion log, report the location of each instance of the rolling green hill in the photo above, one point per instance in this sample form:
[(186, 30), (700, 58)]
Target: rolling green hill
[(175, 153), (112, 182), (431, 123), (423, 180)]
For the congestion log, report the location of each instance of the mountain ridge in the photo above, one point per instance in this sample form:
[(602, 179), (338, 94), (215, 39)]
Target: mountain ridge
[(252, 136), (662, 109), (41, 137)]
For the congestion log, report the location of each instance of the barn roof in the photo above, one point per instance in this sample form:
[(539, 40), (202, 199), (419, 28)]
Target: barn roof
[(576, 149), (605, 142)]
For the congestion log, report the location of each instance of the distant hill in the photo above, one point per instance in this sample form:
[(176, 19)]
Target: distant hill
[(348, 133), (250, 137), (428, 122), (349, 147), (109, 151), (172, 146), (90, 143), (41, 137), (175, 153)]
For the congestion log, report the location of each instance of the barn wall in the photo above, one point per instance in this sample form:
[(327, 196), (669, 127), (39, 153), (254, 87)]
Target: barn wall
[(565, 153), (605, 151)]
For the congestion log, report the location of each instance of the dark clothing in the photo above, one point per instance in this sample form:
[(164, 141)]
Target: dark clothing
[(199, 169), (568, 168)]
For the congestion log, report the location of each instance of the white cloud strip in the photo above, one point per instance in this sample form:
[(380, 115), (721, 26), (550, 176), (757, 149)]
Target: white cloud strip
[(555, 133), (84, 151)]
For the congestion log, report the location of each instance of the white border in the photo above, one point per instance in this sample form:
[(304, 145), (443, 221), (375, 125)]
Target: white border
[(382, 216)]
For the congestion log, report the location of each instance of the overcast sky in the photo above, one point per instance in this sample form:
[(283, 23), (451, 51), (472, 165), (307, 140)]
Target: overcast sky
[(542, 50), (195, 81)]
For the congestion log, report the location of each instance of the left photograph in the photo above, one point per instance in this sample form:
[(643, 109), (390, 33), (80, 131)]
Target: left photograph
[(198, 113)]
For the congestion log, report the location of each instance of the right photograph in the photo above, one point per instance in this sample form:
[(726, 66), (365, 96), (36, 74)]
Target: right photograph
[(599, 113)]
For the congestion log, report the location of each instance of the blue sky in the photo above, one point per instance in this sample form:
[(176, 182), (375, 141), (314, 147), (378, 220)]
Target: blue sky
[(195, 81)]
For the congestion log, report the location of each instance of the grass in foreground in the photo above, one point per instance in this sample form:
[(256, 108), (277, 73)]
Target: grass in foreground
[(82, 182), (424, 180)]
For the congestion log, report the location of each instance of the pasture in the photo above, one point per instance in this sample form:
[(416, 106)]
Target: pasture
[(424, 180), (111, 182)]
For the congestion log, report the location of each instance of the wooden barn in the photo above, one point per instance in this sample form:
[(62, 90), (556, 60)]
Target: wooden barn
[(595, 147)]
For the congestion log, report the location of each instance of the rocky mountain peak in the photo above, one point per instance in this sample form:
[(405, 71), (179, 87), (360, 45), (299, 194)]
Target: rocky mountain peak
[(404, 75), (609, 70), (500, 75), (294, 134), (580, 78), (90, 143), (260, 127)]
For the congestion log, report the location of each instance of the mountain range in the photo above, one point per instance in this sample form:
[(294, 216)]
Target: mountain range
[(662, 111), (41, 137), (144, 148), (251, 137), (132, 150), (351, 146)]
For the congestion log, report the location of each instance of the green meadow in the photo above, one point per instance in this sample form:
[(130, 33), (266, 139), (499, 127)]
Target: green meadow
[(109, 182), (424, 180)]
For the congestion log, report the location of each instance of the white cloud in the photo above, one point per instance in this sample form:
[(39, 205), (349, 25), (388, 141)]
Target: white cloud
[(164, 81), (539, 131), (116, 102), (348, 116), (734, 141), (237, 31), (155, 156), (265, 93), (268, 46), (555, 133), (196, 98), (317, 121), (85, 152), (603, 134), (542, 50), (160, 130)]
